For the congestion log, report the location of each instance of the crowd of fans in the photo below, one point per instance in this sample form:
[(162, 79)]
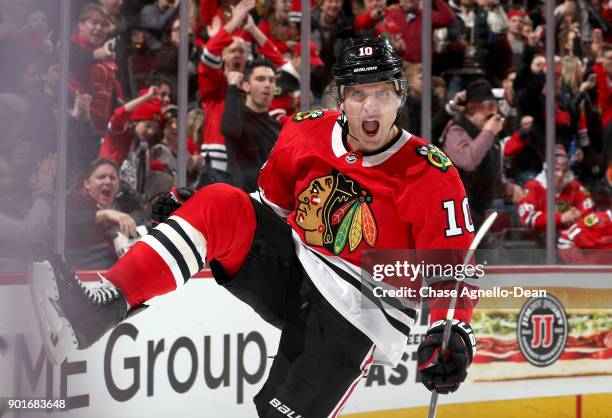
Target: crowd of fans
[(488, 104)]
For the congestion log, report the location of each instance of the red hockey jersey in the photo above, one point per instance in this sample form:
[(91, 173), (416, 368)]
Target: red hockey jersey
[(340, 203), (532, 207), (212, 84), (592, 232)]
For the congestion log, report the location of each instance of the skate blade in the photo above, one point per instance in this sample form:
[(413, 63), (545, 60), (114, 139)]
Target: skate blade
[(57, 334)]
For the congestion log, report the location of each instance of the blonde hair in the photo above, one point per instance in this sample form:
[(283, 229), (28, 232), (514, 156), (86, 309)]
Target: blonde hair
[(91, 9), (195, 121), (569, 71), (412, 70)]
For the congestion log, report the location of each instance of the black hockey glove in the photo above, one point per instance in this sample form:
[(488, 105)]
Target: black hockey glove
[(444, 373), (168, 202)]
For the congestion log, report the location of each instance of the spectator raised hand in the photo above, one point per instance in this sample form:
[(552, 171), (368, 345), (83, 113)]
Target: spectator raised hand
[(82, 103), (234, 78), (495, 124), (45, 181), (526, 122), (239, 14), (105, 52)]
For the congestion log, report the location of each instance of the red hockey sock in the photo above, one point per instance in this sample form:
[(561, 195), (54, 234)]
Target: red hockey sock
[(218, 222)]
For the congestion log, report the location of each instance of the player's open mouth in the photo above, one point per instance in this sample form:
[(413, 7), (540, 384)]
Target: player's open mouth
[(370, 127), (106, 193)]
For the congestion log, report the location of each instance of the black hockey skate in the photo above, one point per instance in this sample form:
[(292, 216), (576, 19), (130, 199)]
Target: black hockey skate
[(71, 314)]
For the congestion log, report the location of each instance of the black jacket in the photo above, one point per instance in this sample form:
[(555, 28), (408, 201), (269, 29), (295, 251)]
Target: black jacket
[(249, 138)]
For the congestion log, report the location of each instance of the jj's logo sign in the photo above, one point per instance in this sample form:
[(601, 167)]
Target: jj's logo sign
[(542, 326), (542, 330)]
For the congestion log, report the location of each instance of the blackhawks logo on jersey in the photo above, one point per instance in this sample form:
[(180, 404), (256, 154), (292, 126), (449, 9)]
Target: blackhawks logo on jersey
[(335, 211), (561, 205), (591, 220), (435, 157), (311, 114)]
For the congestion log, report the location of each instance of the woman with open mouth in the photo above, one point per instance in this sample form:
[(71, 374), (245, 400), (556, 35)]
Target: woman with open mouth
[(97, 213)]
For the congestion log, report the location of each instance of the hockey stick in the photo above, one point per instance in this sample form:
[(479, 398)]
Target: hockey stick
[(433, 402)]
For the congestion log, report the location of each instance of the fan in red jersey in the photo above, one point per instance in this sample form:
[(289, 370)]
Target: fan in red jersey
[(572, 200), (588, 241), (336, 184)]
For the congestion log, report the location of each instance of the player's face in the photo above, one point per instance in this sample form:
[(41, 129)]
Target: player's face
[(260, 88), (371, 110), (309, 213), (235, 56), (103, 185)]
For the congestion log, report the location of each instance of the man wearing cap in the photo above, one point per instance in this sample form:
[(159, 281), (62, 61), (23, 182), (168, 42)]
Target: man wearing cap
[(572, 200), (130, 130), (472, 144), (287, 93)]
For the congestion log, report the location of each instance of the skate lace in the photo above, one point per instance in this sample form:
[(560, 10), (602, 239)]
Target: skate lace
[(101, 293)]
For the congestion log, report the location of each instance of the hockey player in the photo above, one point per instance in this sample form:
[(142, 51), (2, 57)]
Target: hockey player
[(337, 183)]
